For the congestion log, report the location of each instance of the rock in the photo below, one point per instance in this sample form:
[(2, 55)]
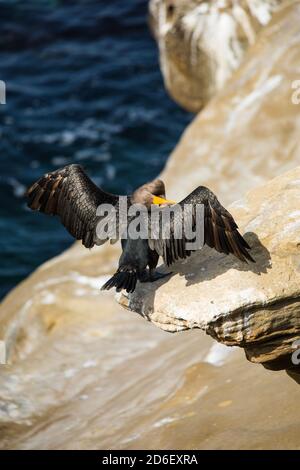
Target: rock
[(250, 132), (85, 373), (56, 295), (202, 43), (254, 306), (122, 384)]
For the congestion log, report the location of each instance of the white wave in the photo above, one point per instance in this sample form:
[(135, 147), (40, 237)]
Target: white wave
[(17, 187)]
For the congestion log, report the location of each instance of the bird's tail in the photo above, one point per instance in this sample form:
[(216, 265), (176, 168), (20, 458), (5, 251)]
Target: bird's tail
[(125, 278)]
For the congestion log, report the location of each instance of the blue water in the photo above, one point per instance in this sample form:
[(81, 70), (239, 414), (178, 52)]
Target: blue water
[(83, 85)]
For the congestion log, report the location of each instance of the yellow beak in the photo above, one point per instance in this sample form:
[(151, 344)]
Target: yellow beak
[(160, 200)]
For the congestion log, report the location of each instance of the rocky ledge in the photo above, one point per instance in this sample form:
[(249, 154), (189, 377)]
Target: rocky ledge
[(254, 306)]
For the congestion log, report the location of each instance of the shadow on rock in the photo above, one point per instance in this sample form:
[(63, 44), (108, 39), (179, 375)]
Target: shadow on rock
[(204, 265), (208, 264)]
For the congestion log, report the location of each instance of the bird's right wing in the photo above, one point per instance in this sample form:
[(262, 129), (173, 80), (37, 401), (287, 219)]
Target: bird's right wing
[(219, 229), (70, 194)]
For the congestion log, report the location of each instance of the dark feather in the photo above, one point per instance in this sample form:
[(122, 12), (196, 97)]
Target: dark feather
[(220, 230), (71, 195)]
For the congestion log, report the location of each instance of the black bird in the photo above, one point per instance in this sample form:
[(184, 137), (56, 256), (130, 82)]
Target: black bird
[(70, 194)]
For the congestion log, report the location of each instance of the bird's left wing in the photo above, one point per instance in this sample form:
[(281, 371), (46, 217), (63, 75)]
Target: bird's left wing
[(220, 231), (70, 194)]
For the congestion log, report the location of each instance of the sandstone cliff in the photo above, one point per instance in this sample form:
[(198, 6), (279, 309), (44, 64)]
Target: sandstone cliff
[(249, 132), (85, 373), (202, 43)]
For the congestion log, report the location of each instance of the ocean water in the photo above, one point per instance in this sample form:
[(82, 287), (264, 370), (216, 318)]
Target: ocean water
[(82, 85)]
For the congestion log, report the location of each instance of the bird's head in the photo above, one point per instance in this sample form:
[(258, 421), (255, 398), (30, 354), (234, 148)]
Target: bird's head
[(152, 193)]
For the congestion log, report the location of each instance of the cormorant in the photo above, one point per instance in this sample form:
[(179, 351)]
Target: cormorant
[(70, 194)]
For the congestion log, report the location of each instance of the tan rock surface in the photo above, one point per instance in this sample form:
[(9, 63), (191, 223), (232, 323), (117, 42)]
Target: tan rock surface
[(255, 306), (250, 132), (202, 43), (84, 373), (111, 392)]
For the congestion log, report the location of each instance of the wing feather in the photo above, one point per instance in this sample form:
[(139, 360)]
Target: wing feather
[(71, 195), (220, 230)]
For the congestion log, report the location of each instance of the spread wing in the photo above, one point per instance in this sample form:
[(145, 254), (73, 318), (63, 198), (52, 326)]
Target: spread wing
[(70, 194), (220, 230)]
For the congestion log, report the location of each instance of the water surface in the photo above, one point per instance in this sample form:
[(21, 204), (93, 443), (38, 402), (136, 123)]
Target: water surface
[(83, 86)]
